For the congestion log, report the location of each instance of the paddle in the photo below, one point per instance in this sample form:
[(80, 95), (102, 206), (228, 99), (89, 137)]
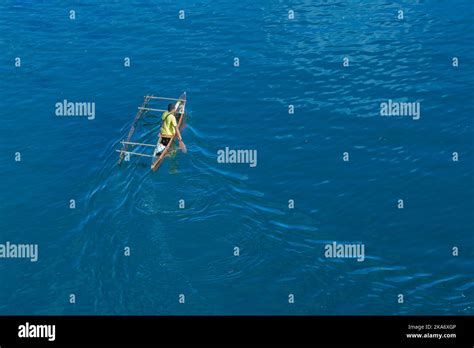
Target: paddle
[(182, 147)]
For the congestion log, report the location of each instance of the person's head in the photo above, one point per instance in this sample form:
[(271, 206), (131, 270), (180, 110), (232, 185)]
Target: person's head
[(170, 107)]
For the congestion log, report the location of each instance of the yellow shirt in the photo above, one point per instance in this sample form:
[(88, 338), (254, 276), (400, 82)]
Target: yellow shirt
[(169, 124)]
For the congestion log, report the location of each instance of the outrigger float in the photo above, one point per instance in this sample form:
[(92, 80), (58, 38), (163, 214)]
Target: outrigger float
[(157, 156)]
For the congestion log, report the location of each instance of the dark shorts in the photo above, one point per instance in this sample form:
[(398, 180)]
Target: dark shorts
[(165, 141)]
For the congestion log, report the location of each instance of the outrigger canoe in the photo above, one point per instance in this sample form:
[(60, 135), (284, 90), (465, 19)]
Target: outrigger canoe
[(158, 154)]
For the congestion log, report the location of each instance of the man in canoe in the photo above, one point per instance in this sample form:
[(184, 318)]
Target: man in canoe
[(170, 127)]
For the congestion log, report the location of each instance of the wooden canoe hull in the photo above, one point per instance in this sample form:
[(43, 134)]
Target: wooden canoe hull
[(181, 109)]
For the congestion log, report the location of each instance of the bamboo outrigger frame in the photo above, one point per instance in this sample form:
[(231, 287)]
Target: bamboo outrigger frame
[(157, 157)]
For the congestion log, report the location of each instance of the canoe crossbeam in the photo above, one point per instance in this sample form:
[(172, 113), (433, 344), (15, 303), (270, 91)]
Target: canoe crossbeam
[(164, 98), (136, 144), (134, 153), (151, 109)]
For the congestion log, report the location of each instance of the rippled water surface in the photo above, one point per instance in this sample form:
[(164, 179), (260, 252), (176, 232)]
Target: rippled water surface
[(190, 251)]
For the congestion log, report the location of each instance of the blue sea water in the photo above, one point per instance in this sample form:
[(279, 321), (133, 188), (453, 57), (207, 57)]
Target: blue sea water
[(283, 62)]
